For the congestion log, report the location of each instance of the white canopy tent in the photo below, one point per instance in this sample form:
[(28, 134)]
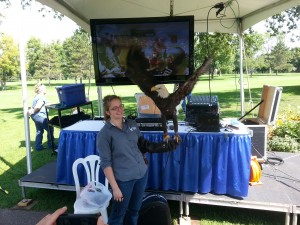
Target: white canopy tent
[(236, 17), (243, 14)]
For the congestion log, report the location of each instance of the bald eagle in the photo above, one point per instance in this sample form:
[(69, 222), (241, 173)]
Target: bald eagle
[(137, 65)]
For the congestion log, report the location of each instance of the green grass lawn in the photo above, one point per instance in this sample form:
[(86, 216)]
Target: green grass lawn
[(226, 87)]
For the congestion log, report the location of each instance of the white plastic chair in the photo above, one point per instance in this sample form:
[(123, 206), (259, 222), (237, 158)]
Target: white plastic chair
[(91, 164)]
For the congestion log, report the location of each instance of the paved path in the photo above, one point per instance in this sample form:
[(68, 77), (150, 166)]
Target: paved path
[(20, 217)]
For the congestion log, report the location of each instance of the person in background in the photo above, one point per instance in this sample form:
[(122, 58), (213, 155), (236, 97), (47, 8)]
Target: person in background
[(50, 219), (121, 148), (38, 114), (186, 98)]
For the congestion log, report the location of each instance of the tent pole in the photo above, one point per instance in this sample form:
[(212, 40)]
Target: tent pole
[(242, 96), (25, 111), (24, 94), (171, 7), (100, 102)]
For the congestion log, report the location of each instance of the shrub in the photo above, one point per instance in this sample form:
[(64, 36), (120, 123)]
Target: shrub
[(283, 144), (285, 136)]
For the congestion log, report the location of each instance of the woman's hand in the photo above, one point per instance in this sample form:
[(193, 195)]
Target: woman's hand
[(100, 221), (30, 111), (118, 196)]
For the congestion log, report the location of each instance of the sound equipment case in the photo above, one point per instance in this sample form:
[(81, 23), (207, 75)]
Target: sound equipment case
[(259, 134), (267, 113)]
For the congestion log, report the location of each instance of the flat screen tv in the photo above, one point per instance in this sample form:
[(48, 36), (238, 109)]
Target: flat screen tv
[(167, 43)]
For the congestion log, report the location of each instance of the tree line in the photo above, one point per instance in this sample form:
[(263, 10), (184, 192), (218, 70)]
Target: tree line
[(72, 58), (258, 54)]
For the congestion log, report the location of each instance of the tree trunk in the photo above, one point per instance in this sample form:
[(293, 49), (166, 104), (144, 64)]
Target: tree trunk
[(3, 85)]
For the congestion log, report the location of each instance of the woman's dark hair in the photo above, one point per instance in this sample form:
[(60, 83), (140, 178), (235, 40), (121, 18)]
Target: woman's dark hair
[(106, 104)]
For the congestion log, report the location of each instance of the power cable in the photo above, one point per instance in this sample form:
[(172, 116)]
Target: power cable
[(274, 161), (113, 89), (220, 7), (223, 15)]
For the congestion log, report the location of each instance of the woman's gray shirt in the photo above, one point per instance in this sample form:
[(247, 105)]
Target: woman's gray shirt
[(118, 149)]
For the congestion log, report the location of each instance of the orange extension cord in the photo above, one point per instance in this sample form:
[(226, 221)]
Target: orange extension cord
[(255, 171)]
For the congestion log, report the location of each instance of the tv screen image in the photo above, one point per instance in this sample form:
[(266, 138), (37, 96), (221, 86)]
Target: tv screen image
[(167, 43)]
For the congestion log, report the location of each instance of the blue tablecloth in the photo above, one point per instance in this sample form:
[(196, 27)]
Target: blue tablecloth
[(204, 162)]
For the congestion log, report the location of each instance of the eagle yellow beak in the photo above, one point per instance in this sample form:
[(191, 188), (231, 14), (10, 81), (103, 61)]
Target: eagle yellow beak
[(154, 88)]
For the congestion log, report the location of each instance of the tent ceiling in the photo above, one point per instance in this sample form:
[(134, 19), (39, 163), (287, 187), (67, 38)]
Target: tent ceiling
[(247, 12)]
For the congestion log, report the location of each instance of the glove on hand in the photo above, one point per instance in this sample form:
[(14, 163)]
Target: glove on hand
[(153, 147)]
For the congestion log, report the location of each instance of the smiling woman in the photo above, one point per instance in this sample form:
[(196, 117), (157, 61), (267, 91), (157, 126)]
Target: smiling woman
[(32, 23)]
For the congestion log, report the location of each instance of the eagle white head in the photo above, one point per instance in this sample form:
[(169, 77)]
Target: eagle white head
[(161, 90)]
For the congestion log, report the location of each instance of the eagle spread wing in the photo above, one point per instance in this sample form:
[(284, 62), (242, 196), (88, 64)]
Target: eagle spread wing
[(137, 65)]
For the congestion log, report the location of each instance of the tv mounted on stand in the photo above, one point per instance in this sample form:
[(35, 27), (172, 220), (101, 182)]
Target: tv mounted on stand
[(167, 42)]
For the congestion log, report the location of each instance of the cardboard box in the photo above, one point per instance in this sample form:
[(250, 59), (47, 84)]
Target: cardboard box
[(71, 95), (146, 107), (25, 202)]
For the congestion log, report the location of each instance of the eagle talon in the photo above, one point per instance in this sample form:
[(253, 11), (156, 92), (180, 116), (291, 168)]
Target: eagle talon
[(166, 137), (177, 138)]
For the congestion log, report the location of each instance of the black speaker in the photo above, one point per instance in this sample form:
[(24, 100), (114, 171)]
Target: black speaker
[(202, 112), (208, 122), (201, 106), (155, 211)]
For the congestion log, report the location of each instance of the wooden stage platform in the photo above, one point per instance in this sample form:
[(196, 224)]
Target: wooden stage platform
[(279, 191)]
